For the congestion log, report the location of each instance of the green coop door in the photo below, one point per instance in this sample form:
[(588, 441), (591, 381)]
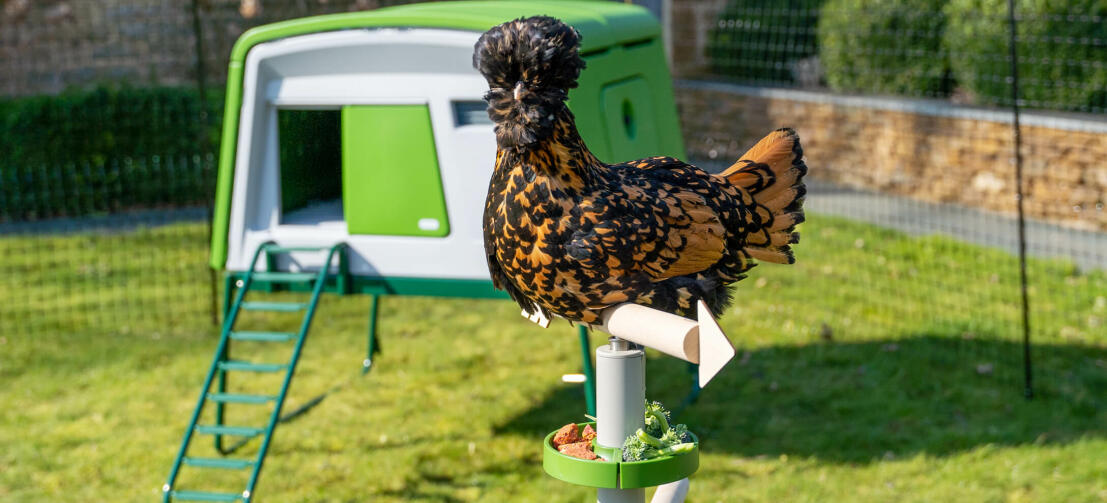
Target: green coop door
[(390, 180), (629, 116)]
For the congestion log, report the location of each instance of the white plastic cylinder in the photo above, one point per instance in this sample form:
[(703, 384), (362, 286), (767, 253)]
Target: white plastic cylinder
[(673, 492), (620, 405)]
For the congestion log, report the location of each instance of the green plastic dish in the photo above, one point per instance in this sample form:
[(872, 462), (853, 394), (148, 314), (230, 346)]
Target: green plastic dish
[(618, 475)]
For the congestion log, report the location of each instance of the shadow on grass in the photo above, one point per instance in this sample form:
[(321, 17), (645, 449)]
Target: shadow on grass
[(863, 401)]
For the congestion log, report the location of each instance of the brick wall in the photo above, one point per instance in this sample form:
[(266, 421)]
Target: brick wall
[(931, 151)]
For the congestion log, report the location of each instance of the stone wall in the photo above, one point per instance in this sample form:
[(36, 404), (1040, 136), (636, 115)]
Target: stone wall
[(928, 150), (48, 46)]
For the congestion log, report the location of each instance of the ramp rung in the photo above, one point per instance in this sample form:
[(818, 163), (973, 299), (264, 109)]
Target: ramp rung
[(285, 277), (241, 431), (252, 367), (237, 398), (263, 336), (204, 496), (284, 307), (224, 463)]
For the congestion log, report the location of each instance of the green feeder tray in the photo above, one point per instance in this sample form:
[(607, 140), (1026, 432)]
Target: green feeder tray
[(618, 475)]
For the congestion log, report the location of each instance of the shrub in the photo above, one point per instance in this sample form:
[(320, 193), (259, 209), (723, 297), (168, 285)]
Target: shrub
[(875, 46), (1062, 50), (104, 150), (763, 40)]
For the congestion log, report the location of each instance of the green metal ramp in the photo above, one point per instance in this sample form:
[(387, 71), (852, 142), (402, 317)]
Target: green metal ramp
[(222, 365)]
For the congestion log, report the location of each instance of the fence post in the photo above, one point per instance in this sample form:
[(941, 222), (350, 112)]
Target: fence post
[(1028, 390), (202, 142)]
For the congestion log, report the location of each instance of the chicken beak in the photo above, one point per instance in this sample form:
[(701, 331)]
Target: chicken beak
[(520, 89)]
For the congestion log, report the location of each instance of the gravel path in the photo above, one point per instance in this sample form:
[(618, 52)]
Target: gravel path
[(1087, 249), (118, 222)]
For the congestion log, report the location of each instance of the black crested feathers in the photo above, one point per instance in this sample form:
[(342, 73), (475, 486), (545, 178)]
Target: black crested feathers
[(539, 50), (540, 54)]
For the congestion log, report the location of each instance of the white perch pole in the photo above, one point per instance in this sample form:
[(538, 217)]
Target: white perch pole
[(621, 376), (620, 405), (673, 492)]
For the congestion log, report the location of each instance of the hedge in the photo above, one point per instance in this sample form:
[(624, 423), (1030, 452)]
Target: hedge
[(923, 48), (761, 40), (1062, 52), (880, 47), (105, 150)]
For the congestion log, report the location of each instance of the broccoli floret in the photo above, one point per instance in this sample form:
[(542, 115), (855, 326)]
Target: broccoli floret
[(676, 449), (641, 446), (657, 419), (634, 449), (676, 435), (648, 439), (658, 438)]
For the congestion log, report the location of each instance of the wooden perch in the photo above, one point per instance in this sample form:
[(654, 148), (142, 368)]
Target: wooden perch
[(700, 342)]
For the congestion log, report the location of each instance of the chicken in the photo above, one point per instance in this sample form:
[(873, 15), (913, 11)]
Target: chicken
[(569, 235)]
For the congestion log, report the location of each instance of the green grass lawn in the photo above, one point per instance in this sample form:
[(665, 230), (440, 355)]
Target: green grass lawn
[(880, 367)]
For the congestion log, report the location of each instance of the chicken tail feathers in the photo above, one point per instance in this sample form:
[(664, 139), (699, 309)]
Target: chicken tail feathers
[(772, 173)]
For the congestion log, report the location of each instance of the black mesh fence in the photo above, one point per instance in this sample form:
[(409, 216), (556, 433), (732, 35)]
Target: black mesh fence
[(109, 127), (908, 114), (110, 115)]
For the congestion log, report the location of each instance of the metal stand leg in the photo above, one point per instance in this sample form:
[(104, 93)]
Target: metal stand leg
[(620, 403), (228, 294), (221, 387), (373, 347), (589, 370)]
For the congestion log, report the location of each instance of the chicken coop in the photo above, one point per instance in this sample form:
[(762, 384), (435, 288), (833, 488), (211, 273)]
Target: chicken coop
[(369, 129)]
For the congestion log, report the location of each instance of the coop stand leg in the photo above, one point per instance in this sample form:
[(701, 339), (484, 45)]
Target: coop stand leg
[(299, 411), (310, 404), (228, 294), (693, 394), (234, 447), (229, 286), (221, 387), (373, 345)]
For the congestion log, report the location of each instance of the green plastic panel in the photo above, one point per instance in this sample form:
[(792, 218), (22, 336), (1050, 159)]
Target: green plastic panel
[(638, 74), (578, 471), (390, 180), (661, 470), (613, 475), (629, 119)]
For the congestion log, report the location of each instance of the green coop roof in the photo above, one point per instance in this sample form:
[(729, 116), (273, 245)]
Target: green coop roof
[(601, 24)]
